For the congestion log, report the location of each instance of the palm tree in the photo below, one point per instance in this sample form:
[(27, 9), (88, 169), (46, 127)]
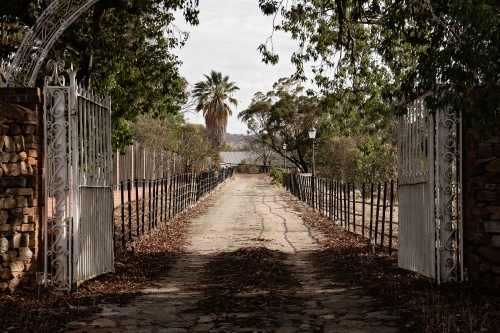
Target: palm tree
[(212, 95)]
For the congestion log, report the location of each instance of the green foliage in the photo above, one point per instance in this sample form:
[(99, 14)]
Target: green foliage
[(119, 46), (172, 136), (277, 175), (357, 159), (284, 115), (376, 55), (248, 166)]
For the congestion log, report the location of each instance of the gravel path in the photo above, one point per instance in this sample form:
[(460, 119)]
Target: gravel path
[(246, 213)]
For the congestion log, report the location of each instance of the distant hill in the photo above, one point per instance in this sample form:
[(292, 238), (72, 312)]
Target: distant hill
[(237, 141)]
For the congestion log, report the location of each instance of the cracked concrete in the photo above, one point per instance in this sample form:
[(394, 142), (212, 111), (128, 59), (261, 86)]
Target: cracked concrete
[(247, 212)]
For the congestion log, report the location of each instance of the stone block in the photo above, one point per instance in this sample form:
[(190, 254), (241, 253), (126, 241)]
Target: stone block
[(12, 254), (8, 203), (495, 269), (490, 187), (19, 142), (5, 273), (22, 156), (34, 242), (486, 195), (21, 201), (19, 191), (8, 144), (490, 286), (4, 245), (495, 241), (25, 253), (14, 129), (32, 152), (484, 152), (25, 240), (14, 283), (493, 255), (27, 227), (13, 158), (493, 209), (477, 238), (497, 150), (5, 157), (4, 216), (15, 241), (4, 129), (28, 129), (11, 170), (492, 226), (33, 139), (16, 218), (5, 227), (485, 267), (493, 166), (12, 182)]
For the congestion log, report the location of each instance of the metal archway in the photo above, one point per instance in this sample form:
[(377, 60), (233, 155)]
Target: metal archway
[(58, 16)]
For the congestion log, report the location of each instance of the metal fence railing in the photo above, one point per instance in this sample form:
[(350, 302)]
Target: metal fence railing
[(142, 205), (369, 210)]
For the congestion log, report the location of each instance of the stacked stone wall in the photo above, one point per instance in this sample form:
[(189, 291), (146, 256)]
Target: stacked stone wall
[(21, 188), (482, 207)]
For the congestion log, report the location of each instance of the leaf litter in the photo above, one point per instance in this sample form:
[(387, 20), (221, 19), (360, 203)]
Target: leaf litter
[(258, 272)]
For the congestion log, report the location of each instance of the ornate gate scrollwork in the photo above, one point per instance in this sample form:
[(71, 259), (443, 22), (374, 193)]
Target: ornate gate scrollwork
[(36, 44)]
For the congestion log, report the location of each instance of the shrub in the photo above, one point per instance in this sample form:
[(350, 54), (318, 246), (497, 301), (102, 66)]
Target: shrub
[(276, 175)]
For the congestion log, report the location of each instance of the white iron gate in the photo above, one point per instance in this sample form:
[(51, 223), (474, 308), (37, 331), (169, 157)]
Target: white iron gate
[(429, 183), (79, 199)]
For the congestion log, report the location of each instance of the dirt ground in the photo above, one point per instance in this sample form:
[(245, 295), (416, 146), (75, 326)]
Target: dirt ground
[(251, 258), (245, 268)]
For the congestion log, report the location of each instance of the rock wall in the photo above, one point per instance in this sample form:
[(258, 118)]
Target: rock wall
[(21, 188), (482, 207)]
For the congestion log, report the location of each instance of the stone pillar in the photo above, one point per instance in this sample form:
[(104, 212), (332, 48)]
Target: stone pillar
[(21, 188), (481, 176)]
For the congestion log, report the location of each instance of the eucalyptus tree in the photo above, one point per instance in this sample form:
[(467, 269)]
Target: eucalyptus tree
[(213, 96), (284, 115), (376, 55)]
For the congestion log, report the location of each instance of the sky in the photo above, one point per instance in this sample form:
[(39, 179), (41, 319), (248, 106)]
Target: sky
[(226, 40)]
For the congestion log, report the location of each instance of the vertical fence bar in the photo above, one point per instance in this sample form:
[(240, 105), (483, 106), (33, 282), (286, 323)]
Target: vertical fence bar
[(378, 211), (162, 191), (129, 195), (149, 205), (155, 203), (341, 204), (122, 201), (346, 221), (143, 204), (348, 203), (371, 213), (363, 209), (390, 217), (137, 208), (383, 215), (354, 206)]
